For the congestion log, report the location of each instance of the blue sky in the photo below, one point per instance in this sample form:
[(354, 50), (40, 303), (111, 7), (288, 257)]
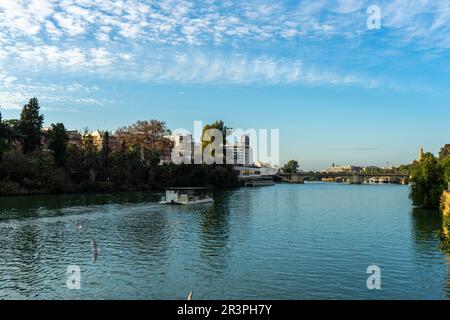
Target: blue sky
[(337, 91)]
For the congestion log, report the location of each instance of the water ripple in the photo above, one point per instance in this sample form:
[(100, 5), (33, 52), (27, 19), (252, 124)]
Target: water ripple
[(311, 241)]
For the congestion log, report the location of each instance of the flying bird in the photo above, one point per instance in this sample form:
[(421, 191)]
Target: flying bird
[(94, 251)]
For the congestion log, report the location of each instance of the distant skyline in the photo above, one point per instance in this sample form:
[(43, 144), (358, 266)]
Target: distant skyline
[(339, 92)]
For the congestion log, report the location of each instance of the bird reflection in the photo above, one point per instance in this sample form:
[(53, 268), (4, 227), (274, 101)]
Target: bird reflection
[(94, 251)]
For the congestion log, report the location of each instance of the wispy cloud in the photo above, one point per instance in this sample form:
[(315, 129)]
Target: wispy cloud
[(229, 42), (14, 93), (201, 22)]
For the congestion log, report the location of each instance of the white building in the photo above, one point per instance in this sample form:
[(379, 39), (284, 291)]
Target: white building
[(341, 169), (239, 153), (179, 146), (266, 169)]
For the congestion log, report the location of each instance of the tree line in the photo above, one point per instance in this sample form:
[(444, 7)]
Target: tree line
[(25, 168), (429, 178)]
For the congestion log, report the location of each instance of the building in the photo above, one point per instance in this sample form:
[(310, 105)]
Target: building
[(240, 153), (266, 169), (97, 139), (251, 176), (420, 153), (74, 138), (372, 169), (179, 141), (113, 140), (342, 169), (44, 141)]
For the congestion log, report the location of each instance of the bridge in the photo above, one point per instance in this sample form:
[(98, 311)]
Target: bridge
[(352, 177)]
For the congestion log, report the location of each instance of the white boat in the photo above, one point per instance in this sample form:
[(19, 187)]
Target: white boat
[(187, 196)]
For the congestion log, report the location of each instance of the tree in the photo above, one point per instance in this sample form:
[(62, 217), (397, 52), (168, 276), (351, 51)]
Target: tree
[(105, 149), (445, 151), (90, 155), (445, 167), (149, 137), (13, 135), (30, 125), (428, 182), (3, 136), (207, 139), (291, 167), (57, 142)]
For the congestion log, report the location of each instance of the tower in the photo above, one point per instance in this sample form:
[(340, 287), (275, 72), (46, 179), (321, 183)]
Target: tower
[(420, 153)]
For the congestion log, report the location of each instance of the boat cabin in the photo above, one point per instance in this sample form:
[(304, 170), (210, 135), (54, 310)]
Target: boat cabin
[(188, 195)]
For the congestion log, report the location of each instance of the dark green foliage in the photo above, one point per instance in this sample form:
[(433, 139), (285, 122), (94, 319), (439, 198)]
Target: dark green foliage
[(207, 140), (218, 176), (445, 165), (30, 125), (29, 173), (445, 151), (57, 141), (3, 136), (105, 149), (429, 179), (291, 167), (94, 167)]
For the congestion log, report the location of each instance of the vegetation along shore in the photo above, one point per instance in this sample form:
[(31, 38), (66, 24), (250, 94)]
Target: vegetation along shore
[(38, 161)]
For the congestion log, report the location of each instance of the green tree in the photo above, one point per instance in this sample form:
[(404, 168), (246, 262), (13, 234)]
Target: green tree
[(105, 149), (445, 151), (3, 136), (30, 125), (90, 155), (57, 142), (75, 164), (445, 167), (427, 181), (207, 139), (291, 167), (13, 135)]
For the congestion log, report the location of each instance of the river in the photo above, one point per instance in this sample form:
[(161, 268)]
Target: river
[(311, 241)]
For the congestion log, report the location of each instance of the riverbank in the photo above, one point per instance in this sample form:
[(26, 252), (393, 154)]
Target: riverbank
[(38, 174), (445, 210)]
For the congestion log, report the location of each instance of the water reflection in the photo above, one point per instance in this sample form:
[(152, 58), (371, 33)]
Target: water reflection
[(426, 228), (280, 242), (38, 205), (447, 286), (215, 233), (26, 257), (426, 225), (146, 235)]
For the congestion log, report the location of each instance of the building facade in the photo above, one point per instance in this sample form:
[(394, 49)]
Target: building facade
[(240, 153), (342, 169)]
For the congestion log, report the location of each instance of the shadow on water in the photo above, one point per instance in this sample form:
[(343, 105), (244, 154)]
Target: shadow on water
[(426, 228), (146, 235), (26, 255), (448, 277), (35, 206), (215, 233)]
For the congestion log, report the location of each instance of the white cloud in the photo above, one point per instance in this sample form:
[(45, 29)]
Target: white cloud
[(198, 41), (14, 93), (198, 23)]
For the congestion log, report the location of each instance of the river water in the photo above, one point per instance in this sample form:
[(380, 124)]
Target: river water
[(311, 241)]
